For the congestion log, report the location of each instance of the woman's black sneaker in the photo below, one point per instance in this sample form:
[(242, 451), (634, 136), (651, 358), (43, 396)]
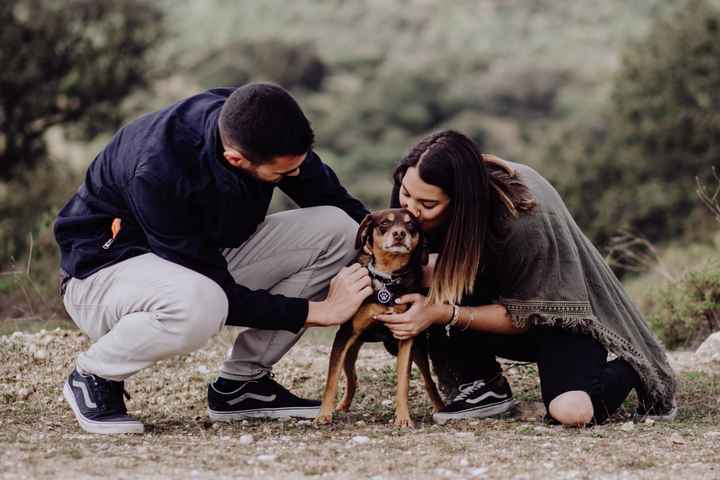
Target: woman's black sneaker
[(98, 404), (263, 397), (478, 399)]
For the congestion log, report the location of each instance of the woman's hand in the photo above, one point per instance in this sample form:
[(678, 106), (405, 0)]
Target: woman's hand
[(417, 318)]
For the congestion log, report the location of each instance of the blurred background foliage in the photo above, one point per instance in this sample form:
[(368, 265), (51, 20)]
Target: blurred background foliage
[(615, 102)]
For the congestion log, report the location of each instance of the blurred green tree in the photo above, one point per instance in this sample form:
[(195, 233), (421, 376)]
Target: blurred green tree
[(661, 132), (68, 62)]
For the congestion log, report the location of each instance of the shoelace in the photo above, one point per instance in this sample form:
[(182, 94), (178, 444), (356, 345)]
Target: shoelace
[(467, 389)]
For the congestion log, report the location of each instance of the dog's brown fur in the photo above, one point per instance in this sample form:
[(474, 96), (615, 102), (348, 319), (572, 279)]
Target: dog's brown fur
[(380, 230)]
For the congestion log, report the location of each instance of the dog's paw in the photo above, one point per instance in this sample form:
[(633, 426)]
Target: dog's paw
[(343, 407), (323, 419), (403, 422)]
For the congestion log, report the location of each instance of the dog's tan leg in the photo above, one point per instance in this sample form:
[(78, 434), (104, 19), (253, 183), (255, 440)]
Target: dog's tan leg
[(350, 376), (402, 410), (348, 334), (420, 357), (343, 337)]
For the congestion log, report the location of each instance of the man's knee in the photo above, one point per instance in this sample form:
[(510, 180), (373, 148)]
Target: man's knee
[(200, 310), (572, 408), (338, 227)]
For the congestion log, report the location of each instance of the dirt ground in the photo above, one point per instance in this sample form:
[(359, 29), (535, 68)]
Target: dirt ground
[(39, 437)]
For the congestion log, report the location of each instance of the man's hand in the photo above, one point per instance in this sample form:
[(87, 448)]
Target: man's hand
[(347, 291)]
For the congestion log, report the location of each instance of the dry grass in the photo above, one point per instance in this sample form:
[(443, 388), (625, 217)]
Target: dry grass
[(40, 438)]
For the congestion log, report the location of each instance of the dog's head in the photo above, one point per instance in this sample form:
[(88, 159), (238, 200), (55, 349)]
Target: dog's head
[(392, 234)]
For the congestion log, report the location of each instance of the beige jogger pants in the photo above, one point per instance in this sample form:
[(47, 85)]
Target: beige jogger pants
[(146, 309)]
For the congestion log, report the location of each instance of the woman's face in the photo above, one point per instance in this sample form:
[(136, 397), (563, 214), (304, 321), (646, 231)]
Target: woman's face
[(427, 202)]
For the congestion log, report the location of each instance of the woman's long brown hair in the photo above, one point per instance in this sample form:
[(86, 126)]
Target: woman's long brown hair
[(484, 192)]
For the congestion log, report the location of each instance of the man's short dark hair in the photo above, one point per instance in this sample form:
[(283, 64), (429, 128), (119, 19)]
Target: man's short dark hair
[(264, 121)]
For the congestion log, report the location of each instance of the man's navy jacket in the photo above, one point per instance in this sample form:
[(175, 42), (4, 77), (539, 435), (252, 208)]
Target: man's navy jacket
[(165, 177)]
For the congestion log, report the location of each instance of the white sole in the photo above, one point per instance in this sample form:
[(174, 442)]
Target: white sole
[(480, 412), (103, 428), (309, 412)]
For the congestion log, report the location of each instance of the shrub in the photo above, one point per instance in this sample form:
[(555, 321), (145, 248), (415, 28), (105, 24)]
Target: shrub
[(688, 310)]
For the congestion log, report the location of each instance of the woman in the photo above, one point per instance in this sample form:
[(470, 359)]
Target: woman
[(515, 277)]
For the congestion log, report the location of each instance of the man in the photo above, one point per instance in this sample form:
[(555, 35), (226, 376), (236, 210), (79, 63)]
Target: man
[(167, 240)]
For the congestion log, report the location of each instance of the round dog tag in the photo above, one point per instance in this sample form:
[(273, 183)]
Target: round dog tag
[(384, 296)]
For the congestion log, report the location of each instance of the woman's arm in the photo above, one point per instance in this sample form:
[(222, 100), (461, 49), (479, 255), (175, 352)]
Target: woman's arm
[(421, 315)]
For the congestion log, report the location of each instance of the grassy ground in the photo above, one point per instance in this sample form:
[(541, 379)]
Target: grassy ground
[(40, 438)]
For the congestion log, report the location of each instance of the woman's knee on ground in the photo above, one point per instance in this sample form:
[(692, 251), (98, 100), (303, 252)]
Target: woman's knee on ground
[(572, 408), (196, 310)]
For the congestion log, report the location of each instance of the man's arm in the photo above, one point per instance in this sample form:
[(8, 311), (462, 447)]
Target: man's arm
[(166, 221), (318, 185)]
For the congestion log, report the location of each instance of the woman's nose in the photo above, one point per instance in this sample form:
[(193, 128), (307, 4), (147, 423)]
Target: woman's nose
[(413, 209)]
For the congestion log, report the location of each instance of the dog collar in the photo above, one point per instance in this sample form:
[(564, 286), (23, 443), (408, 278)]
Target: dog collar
[(385, 296)]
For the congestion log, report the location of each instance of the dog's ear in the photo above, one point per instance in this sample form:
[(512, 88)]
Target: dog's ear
[(364, 233)]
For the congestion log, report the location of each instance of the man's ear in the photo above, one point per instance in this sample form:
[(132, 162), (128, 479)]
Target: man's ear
[(364, 234), (236, 158)]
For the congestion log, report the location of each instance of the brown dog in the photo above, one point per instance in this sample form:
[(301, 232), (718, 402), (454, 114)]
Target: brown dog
[(392, 250)]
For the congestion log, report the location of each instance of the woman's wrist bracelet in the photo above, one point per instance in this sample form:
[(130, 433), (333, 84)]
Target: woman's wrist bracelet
[(453, 319)]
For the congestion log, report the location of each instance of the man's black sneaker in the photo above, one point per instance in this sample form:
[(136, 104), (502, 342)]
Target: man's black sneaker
[(98, 404), (478, 399), (263, 397)]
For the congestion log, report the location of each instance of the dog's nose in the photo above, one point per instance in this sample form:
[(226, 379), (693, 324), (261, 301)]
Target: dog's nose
[(399, 234)]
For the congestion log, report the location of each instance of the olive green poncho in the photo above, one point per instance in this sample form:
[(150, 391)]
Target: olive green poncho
[(549, 273)]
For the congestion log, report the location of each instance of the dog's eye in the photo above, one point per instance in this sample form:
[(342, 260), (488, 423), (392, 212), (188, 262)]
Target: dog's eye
[(411, 227)]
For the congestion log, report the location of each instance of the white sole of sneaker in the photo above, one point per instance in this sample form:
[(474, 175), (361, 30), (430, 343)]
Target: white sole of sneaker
[(310, 412), (92, 426), (480, 412)]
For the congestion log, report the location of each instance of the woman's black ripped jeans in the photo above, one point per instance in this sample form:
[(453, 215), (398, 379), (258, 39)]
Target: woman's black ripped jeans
[(566, 361)]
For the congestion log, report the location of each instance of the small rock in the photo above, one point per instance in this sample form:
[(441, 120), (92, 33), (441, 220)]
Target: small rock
[(627, 427), (202, 369), (215, 426), (360, 439), (283, 419), (246, 439), (304, 422), (709, 351), (465, 435), (267, 458), (23, 393), (464, 462), (387, 403), (677, 439), (40, 355), (542, 429), (649, 421), (712, 435), (478, 472), (361, 423)]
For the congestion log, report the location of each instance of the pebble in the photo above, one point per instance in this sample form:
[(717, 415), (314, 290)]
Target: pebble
[(627, 427), (215, 426), (41, 355), (712, 435), (465, 435), (246, 439), (478, 472), (649, 421), (464, 462), (304, 422), (23, 393), (387, 403), (677, 439), (360, 439), (203, 369), (267, 458), (542, 429)]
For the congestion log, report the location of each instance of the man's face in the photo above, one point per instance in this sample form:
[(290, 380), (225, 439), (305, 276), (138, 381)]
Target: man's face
[(275, 171), (271, 172)]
